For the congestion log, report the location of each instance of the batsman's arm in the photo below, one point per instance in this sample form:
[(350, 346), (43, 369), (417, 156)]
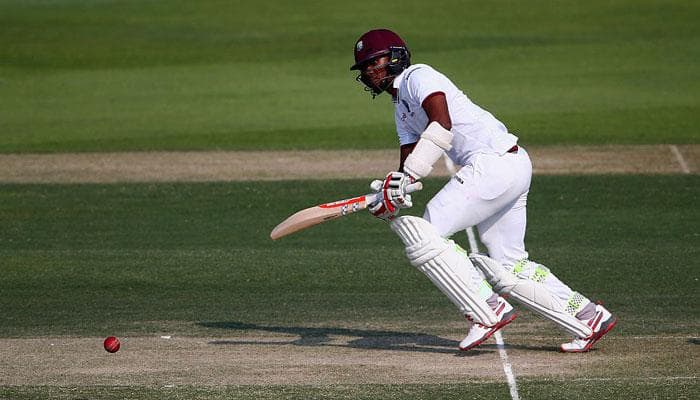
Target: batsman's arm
[(417, 159), (406, 149), (435, 106)]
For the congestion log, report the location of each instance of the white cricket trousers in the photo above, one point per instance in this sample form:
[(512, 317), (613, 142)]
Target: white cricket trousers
[(490, 192)]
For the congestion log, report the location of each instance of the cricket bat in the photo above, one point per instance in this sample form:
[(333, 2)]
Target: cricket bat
[(325, 212)]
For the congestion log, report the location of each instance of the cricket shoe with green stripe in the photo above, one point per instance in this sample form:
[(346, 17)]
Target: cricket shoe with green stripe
[(601, 323), (478, 333)]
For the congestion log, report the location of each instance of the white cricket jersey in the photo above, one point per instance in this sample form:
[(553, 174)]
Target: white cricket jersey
[(475, 129)]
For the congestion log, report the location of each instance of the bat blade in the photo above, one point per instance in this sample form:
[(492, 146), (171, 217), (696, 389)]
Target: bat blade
[(311, 216), (321, 213)]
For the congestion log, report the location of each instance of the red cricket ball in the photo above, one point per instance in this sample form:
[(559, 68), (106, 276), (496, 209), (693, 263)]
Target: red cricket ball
[(112, 344)]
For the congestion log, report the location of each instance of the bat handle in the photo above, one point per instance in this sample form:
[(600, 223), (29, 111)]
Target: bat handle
[(372, 198), (414, 187)]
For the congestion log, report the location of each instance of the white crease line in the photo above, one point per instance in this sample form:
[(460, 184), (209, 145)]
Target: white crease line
[(644, 378), (679, 158), (659, 337), (627, 338), (507, 367)]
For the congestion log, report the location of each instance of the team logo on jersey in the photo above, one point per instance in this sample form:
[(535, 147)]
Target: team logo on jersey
[(359, 45), (404, 116)]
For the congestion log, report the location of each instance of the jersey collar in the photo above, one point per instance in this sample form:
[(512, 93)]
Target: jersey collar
[(397, 83), (399, 78)]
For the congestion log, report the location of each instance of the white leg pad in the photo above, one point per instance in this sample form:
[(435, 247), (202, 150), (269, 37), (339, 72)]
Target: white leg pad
[(531, 294), (448, 268)]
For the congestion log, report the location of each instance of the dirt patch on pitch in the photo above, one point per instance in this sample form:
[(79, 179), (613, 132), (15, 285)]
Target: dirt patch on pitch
[(319, 164), (272, 359)]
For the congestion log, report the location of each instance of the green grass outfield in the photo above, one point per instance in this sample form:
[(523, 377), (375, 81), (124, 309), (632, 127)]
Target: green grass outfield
[(137, 75), (196, 260), (150, 252)]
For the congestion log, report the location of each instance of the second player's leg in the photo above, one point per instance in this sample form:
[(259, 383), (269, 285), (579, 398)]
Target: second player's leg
[(534, 286)]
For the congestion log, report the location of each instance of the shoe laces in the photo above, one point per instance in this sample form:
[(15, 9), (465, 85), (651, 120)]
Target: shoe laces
[(578, 342), (474, 323)]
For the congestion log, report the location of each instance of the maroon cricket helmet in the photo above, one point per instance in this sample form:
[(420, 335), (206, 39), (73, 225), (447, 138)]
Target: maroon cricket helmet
[(379, 42)]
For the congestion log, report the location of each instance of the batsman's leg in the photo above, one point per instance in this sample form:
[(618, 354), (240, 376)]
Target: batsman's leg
[(449, 268), (601, 322), (536, 287)]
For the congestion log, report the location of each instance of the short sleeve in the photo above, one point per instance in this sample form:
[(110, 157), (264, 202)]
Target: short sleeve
[(424, 81), (405, 137)]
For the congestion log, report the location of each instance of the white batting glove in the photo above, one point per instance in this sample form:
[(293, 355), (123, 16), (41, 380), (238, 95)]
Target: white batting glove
[(379, 208), (376, 185), (395, 189), (381, 211)]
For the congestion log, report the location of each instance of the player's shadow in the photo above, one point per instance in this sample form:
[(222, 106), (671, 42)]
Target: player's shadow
[(359, 339)]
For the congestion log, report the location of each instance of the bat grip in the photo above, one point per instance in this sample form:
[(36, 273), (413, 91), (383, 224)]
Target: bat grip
[(414, 187), (372, 198)]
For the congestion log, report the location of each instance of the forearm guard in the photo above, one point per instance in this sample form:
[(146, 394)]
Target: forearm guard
[(433, 142)]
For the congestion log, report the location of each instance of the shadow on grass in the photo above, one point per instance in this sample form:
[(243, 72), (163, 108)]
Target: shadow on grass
[(365, 339)]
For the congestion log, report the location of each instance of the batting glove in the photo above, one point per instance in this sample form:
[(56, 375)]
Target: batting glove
[(396, 189), (380, 209)]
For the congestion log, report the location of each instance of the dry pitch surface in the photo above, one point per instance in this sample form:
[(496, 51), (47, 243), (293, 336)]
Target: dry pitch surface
[(280, 165), (264, 357), (274, 358)]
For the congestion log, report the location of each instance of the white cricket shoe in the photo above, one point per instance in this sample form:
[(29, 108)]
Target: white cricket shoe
[(478, 333), (601, 323)]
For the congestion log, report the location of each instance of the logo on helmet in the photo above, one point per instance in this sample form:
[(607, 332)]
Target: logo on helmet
[(359, 46)]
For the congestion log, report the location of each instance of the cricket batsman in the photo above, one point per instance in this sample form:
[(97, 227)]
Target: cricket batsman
[(489, 191)]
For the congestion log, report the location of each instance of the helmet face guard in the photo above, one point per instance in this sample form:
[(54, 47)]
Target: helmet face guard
[(399, 60), (377, 43)]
